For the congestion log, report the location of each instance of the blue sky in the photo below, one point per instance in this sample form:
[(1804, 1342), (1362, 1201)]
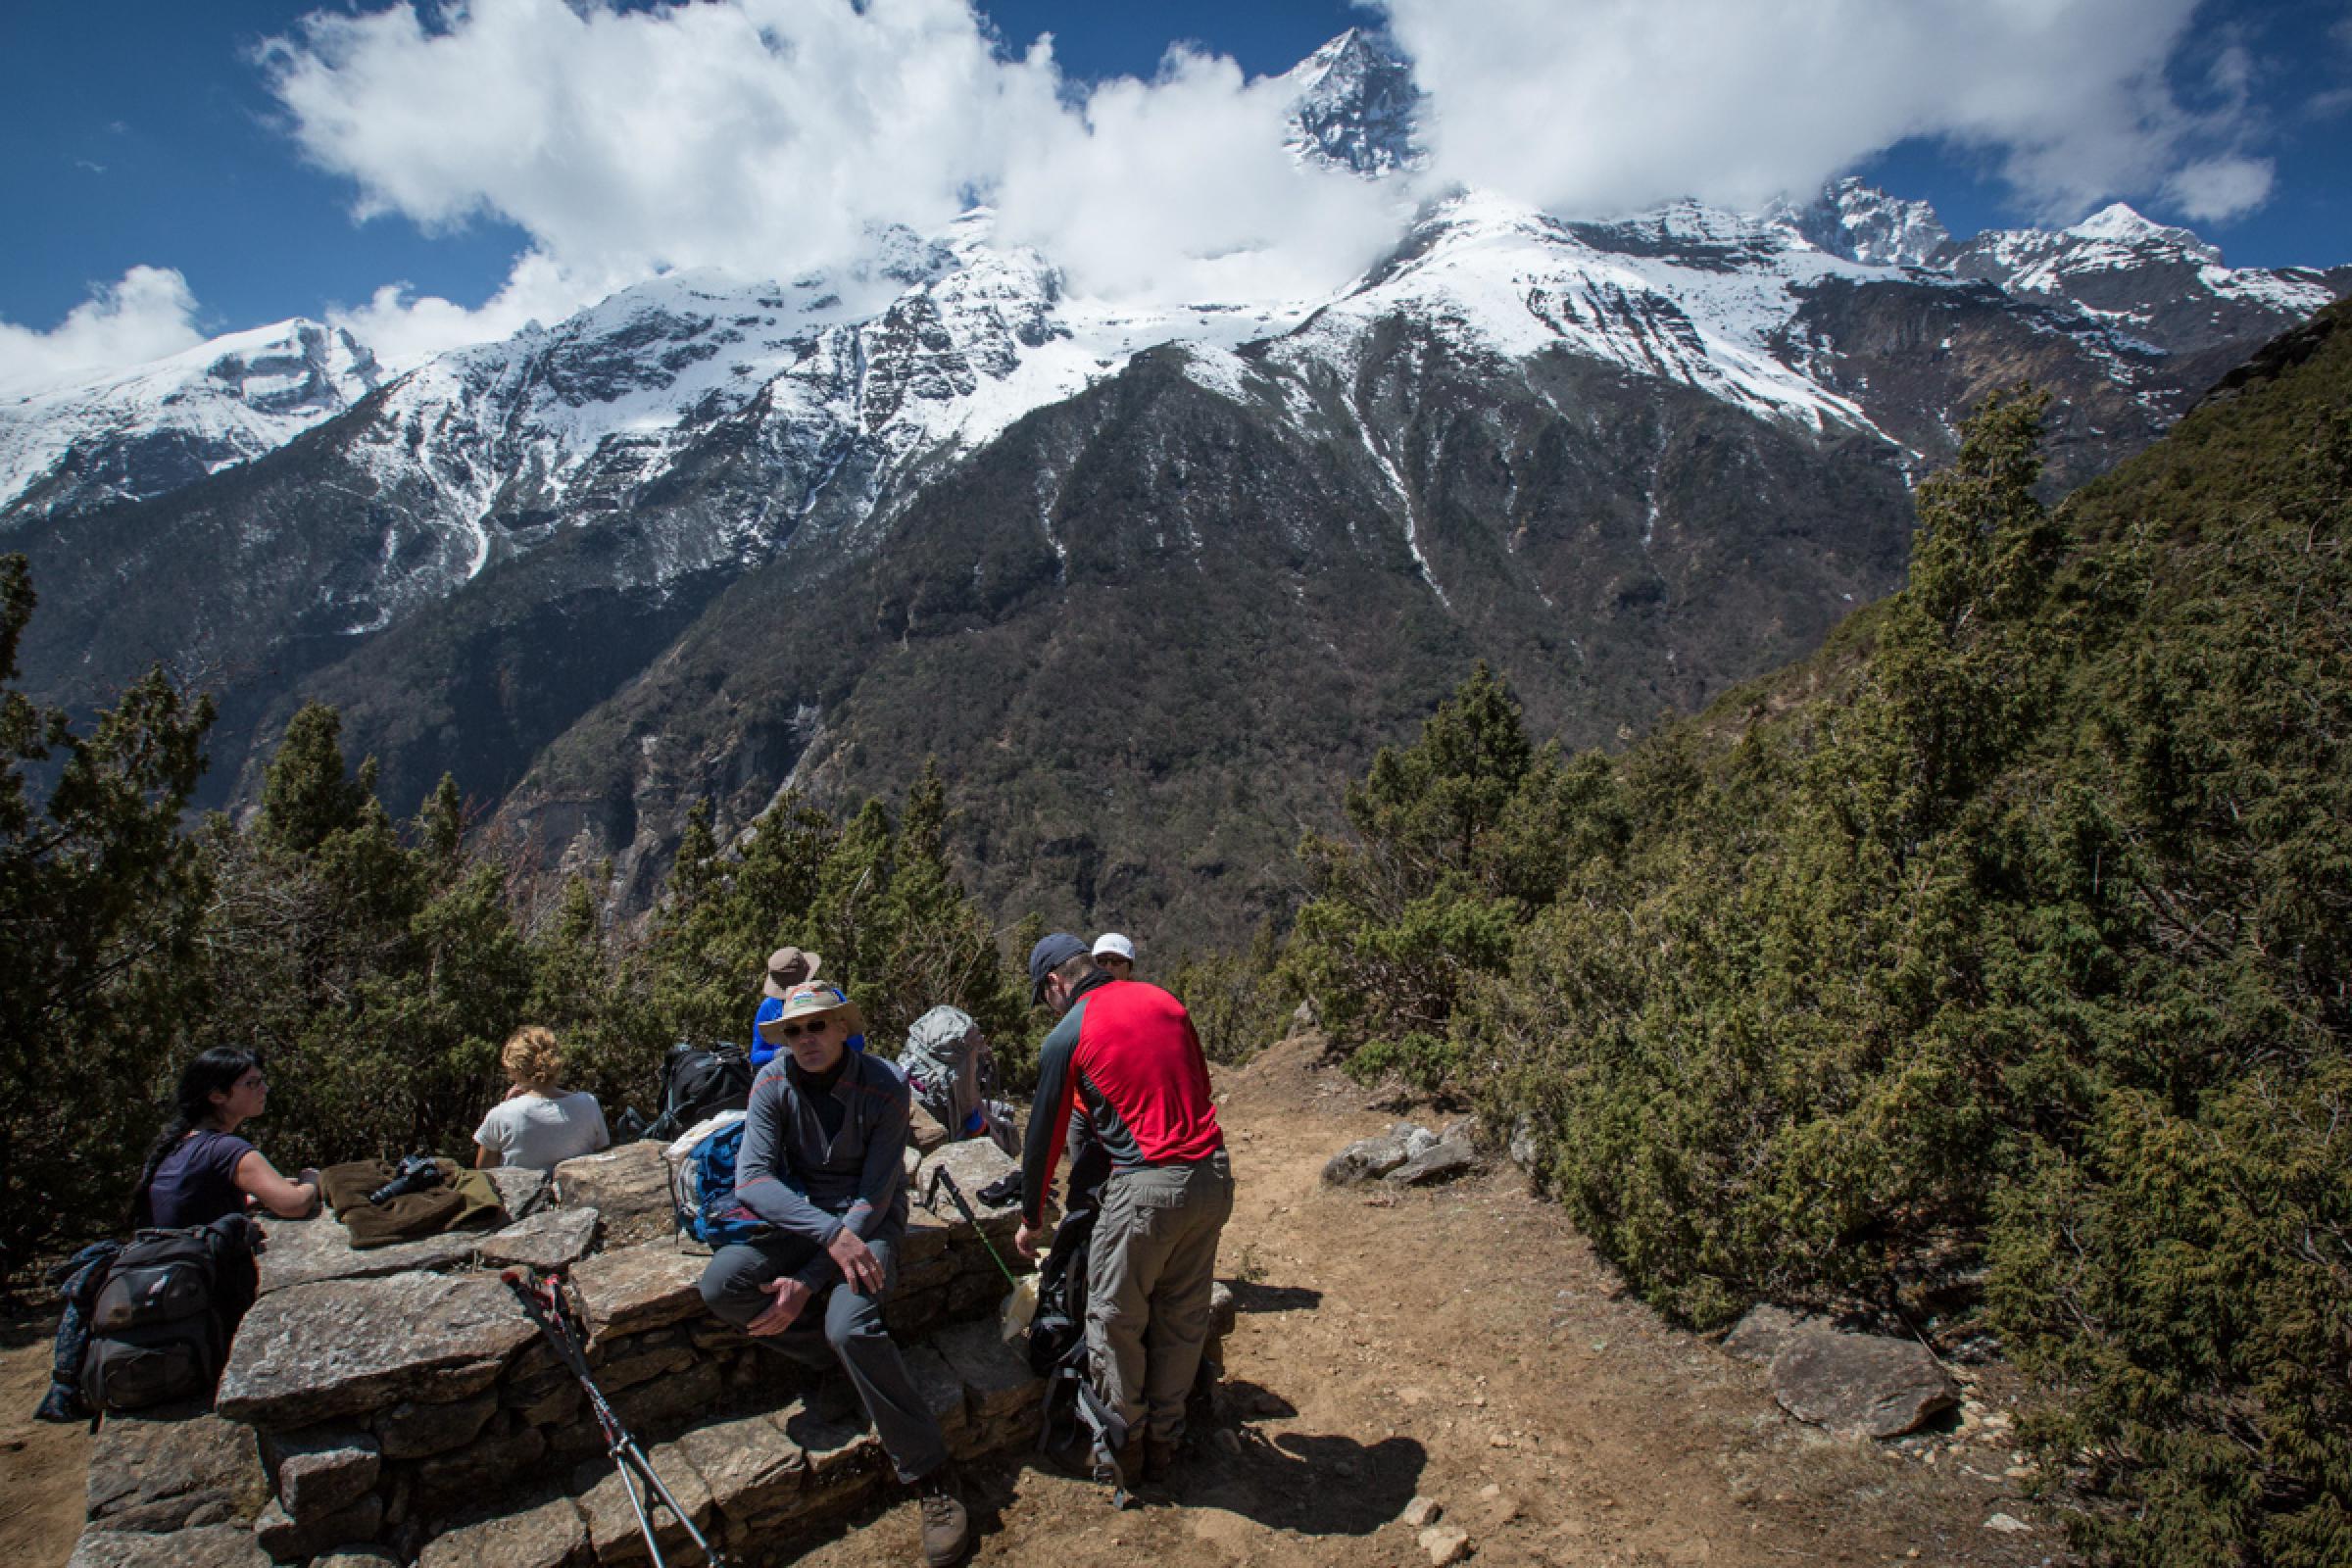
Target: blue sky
[(148, 134)]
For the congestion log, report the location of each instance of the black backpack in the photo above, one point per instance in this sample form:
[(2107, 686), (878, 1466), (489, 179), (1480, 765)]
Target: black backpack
[(699, 1081), (1073, 1419), (160, 1324)]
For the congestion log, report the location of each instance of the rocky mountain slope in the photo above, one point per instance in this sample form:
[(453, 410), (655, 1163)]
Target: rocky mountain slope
[(1142, 576)]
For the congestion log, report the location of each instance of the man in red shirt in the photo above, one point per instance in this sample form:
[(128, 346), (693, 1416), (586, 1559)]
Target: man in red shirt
[(1126, 1055)]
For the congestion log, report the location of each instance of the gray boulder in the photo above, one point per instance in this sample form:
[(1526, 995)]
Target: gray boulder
[(1370, 1158), (1759, 1336), (1860, 1384), (312, 1352), (1440, 1160)]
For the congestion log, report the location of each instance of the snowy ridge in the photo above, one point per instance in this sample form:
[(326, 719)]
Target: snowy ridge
[(2118, 266), (217, 404), (1508, 281)]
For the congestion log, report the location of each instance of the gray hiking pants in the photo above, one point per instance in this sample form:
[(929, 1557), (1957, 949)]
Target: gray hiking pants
[(852, 1331), (1153, 1260)]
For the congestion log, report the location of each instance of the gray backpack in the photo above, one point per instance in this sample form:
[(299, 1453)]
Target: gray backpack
[(947, 1065)]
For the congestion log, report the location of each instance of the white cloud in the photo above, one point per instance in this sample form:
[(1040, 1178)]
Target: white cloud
[(2217, 188), (1609, 104), (768, 137), (149, 314), (404, 328), (1180, 189)]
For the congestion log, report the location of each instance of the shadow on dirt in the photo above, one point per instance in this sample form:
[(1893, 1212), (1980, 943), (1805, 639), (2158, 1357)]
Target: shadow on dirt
[(1254, 1297), (1311, 1483)]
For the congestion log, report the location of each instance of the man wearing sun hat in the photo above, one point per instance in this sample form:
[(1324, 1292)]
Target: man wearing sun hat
[(786, 967), (823, 1162)]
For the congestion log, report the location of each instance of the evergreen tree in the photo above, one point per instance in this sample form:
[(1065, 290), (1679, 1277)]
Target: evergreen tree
[(100, 898)]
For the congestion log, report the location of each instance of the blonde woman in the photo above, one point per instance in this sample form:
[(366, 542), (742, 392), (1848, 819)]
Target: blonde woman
[(537, 1124)]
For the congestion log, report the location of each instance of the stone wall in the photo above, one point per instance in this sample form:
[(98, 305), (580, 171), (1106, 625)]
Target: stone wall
[(399, 1404)]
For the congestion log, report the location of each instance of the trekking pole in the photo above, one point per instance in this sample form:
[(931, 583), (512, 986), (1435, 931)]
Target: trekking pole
[(542, 1301), (940, 1178)]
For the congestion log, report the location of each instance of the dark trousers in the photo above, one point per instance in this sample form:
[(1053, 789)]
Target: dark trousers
[(838, 1324)]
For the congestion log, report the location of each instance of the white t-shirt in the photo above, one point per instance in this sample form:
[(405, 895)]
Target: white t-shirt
[(542, 1133)]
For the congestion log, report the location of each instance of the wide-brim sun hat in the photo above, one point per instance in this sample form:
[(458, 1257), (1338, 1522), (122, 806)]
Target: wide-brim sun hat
[(783, 963), (814, 999)]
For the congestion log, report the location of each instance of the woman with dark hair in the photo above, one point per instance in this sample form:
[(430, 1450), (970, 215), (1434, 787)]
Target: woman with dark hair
[(198, 1169)]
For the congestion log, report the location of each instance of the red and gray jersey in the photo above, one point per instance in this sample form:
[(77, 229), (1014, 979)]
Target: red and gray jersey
[(1127, 1056)]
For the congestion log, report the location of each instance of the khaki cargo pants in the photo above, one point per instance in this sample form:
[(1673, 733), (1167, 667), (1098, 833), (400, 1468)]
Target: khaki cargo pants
[(1153, 1260)]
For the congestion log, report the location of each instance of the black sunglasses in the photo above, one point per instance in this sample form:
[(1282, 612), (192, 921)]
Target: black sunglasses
[(793, 1031)]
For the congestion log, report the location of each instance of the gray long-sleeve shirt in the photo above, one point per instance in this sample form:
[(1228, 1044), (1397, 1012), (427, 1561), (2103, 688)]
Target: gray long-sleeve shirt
[(810, 1183)]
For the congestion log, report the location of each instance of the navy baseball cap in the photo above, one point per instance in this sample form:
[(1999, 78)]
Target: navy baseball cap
[(1050, 954)]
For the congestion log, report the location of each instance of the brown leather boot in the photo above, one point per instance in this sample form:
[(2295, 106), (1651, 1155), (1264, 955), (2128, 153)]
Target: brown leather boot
[(947, 1528), (1161, 1456)]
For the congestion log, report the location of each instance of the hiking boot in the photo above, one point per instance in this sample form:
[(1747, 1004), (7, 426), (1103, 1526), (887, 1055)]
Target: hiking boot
[(1160, 1455), (1118, 1473), (947, 1528)]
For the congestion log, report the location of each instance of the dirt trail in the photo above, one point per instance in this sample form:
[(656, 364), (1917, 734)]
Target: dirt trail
[(1463, 1344), (1467, 1346)]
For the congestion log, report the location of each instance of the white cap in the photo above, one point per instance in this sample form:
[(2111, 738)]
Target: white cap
[(1112, 945)]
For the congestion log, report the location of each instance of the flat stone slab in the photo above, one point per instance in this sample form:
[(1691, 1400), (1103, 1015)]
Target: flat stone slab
[(628, 1185), (312, 1352), (973, 1162), (756, 1475), (996, 1376), (553, 1239), (206, 1547), (306, 1252), (633, 1289), (551, 1534), (287, 1540), (1860, 1384), (612, 1529), (154, 1476)]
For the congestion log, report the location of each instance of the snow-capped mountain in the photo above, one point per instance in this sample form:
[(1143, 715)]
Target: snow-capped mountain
[(131, 434), (666, 549), (2162, 285)]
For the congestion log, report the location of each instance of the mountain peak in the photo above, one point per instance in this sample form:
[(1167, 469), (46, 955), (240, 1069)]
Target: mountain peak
[(2121, 223), (1356, 106), (1863, 223)]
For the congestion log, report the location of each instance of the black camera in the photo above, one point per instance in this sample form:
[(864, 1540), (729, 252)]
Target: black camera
[(416, 1174)]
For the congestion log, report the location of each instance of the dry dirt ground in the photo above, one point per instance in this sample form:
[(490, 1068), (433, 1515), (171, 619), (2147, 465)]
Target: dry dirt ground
[(1463, 1346)]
